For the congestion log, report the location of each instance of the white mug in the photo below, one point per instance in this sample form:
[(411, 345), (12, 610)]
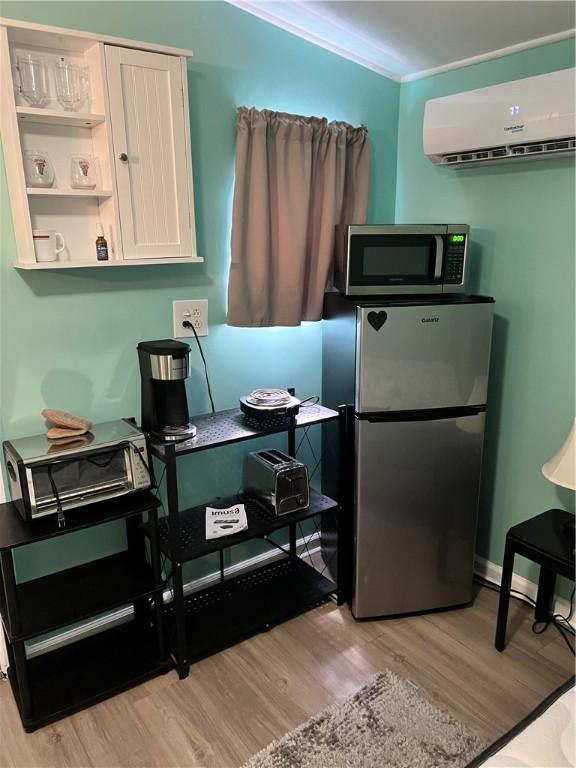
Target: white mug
[(45, 244)]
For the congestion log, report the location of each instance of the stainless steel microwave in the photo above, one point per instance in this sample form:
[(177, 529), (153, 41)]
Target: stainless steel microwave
[(400, 258), (48, 477)]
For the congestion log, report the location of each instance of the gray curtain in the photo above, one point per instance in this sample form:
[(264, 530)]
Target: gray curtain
[(296, 178)]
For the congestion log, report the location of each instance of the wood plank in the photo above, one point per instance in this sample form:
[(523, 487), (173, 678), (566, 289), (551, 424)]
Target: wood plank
[(236, 702)]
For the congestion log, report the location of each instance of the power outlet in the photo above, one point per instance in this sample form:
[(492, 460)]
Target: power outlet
[(196, 312)]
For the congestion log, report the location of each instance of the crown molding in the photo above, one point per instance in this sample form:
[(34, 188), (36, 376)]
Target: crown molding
[(262, 11), (496, 54)]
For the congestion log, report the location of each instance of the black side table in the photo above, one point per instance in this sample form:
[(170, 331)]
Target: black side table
[(543, 540)]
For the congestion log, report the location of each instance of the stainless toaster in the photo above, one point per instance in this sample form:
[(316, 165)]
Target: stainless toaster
[(278, 480)]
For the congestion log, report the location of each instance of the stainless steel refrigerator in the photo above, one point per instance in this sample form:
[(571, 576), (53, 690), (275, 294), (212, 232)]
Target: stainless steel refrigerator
[(416, 372)]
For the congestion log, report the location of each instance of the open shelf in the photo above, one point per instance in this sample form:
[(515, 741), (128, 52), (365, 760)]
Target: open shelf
[(234, 426), (77, 593), (16, 532), (76, 263), (252, 602), (261, 522), (57, 192), (59, 117), (83, 673)]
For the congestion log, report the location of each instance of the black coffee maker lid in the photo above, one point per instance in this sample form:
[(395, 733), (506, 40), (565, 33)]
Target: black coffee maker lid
[(164, 347)]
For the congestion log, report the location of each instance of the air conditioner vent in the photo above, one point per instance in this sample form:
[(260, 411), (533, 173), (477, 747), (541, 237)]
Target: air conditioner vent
[(514, 150), (481, 127)]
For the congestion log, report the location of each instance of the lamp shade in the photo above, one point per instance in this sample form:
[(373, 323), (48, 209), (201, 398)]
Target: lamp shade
[(561, 468)]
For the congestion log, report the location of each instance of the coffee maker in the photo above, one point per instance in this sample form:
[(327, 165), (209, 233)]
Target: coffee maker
[(164, 367)]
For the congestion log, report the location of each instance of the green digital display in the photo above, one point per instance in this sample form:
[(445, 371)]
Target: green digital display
[(456, 238)]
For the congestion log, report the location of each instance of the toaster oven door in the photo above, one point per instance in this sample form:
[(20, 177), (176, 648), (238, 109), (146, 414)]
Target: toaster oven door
[(79, 479)]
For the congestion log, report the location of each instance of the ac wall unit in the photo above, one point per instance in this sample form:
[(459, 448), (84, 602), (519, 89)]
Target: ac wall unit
[(528, 118)]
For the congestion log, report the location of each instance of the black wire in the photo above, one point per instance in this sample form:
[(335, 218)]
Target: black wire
[(187, 324), (59, 510), (554, 620)]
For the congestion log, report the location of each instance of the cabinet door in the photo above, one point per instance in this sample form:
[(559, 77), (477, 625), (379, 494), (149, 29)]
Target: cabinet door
[(149, 120)]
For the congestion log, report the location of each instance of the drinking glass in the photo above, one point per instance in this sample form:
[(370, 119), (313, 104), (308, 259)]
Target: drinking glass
[(38, 169), (33, 76), (84, 172), (72, 85)]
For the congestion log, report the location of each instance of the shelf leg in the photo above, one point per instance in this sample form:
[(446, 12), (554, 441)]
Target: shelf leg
[(8, 582), (137, 547), (180, 651), (292, 452), (292, 539), (156, 573), (343, 513), (23, 685), (16, 651)]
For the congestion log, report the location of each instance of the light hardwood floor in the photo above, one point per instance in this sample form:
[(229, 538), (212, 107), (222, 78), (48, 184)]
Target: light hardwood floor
[(236, 702)]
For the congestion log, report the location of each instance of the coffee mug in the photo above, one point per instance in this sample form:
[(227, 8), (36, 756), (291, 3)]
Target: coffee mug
[(46, 244)]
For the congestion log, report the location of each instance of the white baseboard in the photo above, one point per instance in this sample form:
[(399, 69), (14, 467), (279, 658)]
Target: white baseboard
[(309, 545), (492, 572), (482, 567)]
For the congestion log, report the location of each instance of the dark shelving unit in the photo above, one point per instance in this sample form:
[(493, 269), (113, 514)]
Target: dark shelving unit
[(238, 606), (51, 685), (82, 592), (261, 522), (234, 426), (78, 675)]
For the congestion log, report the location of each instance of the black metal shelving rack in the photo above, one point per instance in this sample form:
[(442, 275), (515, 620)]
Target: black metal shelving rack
[(55, 684), (237, 607)]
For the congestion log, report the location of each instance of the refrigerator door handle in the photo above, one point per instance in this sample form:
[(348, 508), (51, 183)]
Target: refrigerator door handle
[(439, 256), (429, 414)]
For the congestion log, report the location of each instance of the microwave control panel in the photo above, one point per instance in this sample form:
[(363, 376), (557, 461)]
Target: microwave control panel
[(454, 259)]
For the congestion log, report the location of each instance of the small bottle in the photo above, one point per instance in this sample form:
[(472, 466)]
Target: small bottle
[(101, 244)]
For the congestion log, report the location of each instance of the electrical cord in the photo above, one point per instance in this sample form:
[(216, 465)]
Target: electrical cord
[(59, 510), (188, 324), (561, 623)]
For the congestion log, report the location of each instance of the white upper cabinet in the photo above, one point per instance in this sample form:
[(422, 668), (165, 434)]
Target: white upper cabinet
[(132, 126), (149, 119)]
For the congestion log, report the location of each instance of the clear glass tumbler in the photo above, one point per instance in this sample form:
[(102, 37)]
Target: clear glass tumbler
[(33, 76), (84, 172), (38, 169)]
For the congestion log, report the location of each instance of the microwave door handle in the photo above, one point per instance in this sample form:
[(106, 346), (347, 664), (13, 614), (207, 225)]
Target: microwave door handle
[(439, 256)]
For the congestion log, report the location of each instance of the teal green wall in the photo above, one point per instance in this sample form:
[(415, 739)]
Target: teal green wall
[(522, 229), (68, 338)]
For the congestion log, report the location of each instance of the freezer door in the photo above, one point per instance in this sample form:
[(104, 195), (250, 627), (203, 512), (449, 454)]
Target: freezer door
[(422, 356), (415, 510)]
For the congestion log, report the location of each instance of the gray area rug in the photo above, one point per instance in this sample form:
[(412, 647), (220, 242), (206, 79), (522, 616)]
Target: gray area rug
[(387, 724)]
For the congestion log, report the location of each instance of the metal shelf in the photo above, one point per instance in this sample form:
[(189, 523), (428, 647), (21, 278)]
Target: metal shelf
[(233, 426), (250, 603), (261, 522)]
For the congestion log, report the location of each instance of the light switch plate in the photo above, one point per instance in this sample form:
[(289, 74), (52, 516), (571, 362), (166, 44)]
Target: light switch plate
[(195, 311)]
